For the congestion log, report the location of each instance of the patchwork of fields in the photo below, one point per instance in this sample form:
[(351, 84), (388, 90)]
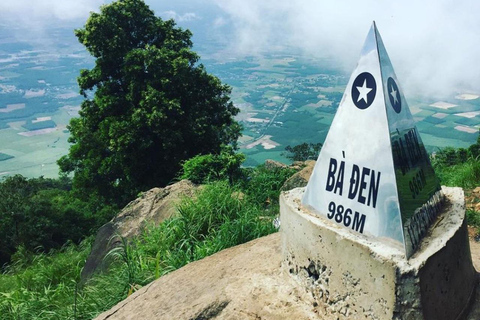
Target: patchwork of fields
[(284, 100), (38, 96)]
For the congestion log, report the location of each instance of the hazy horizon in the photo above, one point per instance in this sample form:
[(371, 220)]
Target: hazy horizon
[(263, 50), (433, 45)]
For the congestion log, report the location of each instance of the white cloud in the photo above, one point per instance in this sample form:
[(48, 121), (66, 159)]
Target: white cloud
[(189, 16), (433, 45), (219, 22), (30, 21), (29, 11)]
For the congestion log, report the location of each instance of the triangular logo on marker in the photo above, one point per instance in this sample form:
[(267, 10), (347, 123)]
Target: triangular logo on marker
[(373, 174)]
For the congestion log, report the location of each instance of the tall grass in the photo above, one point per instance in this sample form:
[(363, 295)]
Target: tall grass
[(455, 169), (263, 186), (44, 286), (465, 175), (218, 217)]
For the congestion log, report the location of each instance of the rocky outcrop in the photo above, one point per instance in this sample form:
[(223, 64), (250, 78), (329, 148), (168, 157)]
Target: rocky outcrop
[(243, 282), (273, 165), (472, 199), (299, 179), (153, 207)]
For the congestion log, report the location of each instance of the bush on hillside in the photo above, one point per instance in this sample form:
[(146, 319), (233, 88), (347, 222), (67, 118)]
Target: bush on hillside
[(450, 156), (458, 167), (213, 167)]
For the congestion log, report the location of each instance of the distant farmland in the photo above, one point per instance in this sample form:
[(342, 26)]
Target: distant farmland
[(284, 100)]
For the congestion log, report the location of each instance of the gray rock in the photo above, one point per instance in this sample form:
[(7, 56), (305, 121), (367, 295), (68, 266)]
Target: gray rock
[(244, 282), (152, 207), (272, 164), (299, 179)]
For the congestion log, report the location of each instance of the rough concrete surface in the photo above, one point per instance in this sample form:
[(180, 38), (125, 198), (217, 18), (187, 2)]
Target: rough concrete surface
[(356, 277)]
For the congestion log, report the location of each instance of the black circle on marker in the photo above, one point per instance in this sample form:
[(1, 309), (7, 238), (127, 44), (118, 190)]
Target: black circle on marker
[(360, 80), (391, 84)]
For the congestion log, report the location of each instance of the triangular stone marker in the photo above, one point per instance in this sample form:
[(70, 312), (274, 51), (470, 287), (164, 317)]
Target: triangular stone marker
[(373, 174)]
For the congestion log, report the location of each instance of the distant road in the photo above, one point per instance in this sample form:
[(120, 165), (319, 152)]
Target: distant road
[(277, 111)]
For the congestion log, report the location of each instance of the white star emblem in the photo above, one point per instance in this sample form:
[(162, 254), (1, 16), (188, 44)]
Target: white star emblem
[(393, 93), (363, 92)]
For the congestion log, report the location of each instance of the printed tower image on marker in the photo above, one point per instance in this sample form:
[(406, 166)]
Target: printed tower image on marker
[(373, 174)]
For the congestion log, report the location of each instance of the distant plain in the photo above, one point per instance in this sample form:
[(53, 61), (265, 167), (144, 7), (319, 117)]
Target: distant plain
[(284, 98)]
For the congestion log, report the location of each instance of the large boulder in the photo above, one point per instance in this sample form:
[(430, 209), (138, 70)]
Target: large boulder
[(152, 207), (243, 282), (274, 165), (299, 179)]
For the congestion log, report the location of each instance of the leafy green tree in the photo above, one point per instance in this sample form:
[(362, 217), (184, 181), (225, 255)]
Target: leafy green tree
[(148, 105), (303, 152), (474, 149), (43, 214), (15, 192)]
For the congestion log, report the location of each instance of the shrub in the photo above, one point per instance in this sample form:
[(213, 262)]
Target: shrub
[(465, 175), (212, 167), (44, 213), (262, 185), (449, 156)]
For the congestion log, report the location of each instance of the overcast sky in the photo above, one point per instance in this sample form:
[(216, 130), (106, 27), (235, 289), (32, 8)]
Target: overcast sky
[(434, 45)]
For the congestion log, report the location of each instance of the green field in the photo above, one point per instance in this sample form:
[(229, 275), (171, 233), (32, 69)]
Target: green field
[(286, 92), (36, 155), (290, 98), (4, 156)]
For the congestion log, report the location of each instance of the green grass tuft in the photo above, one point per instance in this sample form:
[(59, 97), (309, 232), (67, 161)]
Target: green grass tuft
[(465, 175), (473, 218), (43, 287)]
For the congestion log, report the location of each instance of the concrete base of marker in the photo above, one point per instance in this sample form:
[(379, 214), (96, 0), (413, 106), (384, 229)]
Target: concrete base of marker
[(353, 277)]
